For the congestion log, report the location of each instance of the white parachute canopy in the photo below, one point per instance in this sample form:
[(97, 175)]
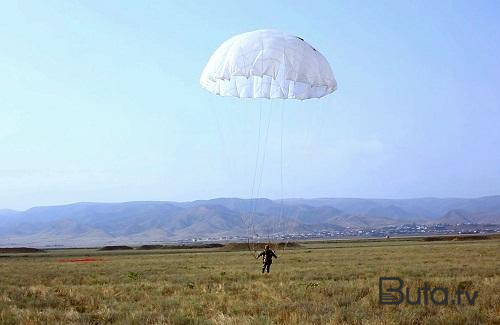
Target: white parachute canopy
[(268, 64)]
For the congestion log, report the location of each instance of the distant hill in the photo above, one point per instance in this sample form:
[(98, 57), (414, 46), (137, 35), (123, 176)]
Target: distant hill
[(455, 217), (86, 224), (7, 212)]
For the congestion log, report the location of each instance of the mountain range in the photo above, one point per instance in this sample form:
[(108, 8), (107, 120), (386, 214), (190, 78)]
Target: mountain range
[(90, 224)]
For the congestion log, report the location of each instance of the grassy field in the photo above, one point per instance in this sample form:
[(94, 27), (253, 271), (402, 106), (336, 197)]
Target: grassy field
[(316, 283)]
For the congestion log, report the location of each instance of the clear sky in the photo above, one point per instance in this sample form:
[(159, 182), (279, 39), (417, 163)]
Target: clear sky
[(100, 101)]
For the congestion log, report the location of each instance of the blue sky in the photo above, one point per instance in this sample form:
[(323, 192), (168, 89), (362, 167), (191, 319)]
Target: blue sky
[(100, 101)]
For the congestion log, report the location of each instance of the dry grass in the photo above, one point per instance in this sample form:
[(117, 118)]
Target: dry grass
[(316, 283)]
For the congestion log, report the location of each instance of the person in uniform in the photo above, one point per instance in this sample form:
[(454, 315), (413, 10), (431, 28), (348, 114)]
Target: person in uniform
[(267, 258)]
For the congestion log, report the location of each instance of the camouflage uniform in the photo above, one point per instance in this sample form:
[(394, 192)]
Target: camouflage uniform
[(267, 259)]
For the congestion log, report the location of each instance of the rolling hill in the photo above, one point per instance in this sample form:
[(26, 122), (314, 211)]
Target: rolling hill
[(87, 224)]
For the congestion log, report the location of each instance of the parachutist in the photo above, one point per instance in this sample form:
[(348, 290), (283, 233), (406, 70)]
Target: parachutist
[(268, 64), (267, 258)]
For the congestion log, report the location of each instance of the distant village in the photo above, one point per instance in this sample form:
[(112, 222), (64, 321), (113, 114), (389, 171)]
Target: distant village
[(387, 232)]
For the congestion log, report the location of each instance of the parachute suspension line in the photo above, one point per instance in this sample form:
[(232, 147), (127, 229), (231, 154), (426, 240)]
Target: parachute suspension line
[(258, 153), (277, 228), (263, 161), (282, 188), (250, 221), (254, 195)]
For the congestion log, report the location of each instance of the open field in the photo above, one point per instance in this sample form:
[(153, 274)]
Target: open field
[(318, 282)]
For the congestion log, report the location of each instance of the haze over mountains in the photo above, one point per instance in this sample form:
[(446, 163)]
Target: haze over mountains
[(88, 224)]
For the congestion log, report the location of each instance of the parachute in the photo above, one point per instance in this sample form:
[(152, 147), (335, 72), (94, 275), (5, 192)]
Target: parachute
[(268, 64)]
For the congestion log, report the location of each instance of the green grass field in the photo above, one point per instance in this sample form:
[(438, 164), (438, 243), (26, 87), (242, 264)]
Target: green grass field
[(316, 283)]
